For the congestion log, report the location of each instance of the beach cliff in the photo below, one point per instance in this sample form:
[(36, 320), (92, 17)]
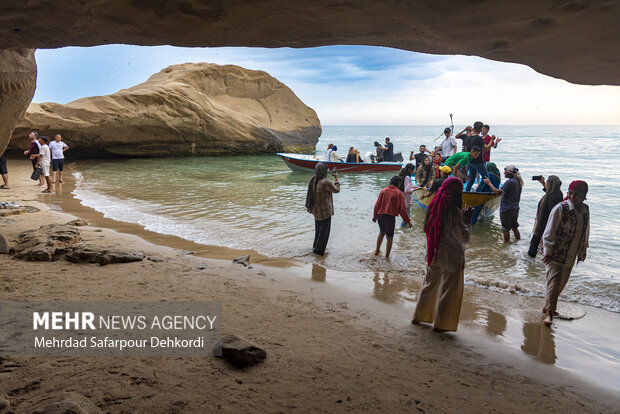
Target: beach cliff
[(186, 109)]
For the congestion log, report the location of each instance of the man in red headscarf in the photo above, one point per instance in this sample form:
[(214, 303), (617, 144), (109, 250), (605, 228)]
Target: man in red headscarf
[(565, 239), (447, 227)]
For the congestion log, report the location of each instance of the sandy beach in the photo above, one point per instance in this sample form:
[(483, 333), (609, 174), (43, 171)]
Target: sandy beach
[(330, 347)]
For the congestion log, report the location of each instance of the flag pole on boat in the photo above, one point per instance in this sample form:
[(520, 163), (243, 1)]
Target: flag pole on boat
[(451, 128)]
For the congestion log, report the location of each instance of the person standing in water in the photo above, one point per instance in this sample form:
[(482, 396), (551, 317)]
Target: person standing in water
[(57, 147), (448, 228), (319, 202), (509, 203), (390, 204), (553, 195), (565, 240)]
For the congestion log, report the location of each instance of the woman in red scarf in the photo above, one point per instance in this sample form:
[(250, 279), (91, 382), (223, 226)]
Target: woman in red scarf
[(447, 227)]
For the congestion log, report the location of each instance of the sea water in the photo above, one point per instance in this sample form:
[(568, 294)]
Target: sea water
[(256, 202)]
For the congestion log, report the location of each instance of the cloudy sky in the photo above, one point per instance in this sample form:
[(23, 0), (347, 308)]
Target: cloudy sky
[(351, 85)]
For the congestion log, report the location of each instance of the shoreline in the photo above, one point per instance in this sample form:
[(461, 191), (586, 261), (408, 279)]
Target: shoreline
[(397, 353)]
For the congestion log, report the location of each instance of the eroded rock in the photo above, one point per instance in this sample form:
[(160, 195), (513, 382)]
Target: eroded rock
[(240, 352), (78, 223), (18, 78), (62, 241), (4, 245), (47, 243), (193, 108), (243, 260), (94, 254)]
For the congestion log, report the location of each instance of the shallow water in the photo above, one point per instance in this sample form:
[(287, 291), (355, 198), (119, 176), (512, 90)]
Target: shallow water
[(257, 202)]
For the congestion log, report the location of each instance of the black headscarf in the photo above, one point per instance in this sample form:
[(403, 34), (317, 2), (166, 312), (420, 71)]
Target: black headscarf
[(407, 170), (320, 172)]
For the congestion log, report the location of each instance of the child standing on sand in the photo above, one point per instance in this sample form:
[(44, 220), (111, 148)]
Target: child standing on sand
[(390, 204)]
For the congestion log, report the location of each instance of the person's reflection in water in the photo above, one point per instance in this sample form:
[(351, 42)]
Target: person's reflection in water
[(381, 290), (319, 273), (539, 341), (496, 323)]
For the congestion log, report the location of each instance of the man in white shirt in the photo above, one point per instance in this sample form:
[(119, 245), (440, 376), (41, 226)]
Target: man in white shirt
[(448, 145), (44, 160), (57, 147)]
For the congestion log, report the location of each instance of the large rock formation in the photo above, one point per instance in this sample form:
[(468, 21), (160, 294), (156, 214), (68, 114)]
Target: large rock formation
[(576, 40), (572, 39), (18, 78), (193, 108)]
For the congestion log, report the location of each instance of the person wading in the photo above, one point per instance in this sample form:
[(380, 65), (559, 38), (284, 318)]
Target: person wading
[(553, 195), (564, 240), (319, 203), (448, 228)]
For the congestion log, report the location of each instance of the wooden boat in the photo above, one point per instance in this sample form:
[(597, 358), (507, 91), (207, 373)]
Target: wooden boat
[(488, 201), (299, 162)]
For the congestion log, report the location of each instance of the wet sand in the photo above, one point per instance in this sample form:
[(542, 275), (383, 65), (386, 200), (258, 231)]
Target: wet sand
[(332, 345)]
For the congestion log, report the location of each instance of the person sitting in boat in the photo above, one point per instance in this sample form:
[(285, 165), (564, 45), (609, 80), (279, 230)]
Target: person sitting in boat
[(425, 174), (334, 157), (379, 156), (354, 156), (419, 157), (461, 160), (437, 163), (328, 151), (444, 173)]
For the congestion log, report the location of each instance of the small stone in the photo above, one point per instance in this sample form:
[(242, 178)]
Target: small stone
[(261, 273), (202, 267), (155, 259), (78, 222), (98, 231), (4, 245), (243, 260), (240, 352)]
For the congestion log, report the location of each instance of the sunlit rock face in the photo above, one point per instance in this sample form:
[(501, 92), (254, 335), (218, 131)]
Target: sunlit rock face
[(193, 108), (576, 40), (18, 78)]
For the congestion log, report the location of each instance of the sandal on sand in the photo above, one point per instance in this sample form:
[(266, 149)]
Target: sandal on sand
[(46, 191), (4, 187)]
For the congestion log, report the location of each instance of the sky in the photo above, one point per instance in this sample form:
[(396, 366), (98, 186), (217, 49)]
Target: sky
[(351, 85)]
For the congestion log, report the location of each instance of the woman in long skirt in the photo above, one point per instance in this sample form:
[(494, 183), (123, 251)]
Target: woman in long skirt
[(447, 229)]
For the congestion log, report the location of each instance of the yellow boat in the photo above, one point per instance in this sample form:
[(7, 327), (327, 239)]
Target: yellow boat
[(488, 201)]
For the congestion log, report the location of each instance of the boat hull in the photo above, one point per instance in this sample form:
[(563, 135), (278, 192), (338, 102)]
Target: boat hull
[(298, 162), (488, 201)]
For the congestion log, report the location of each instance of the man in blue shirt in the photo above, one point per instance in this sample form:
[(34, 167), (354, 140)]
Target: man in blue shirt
[(509, 203), (388, 150)]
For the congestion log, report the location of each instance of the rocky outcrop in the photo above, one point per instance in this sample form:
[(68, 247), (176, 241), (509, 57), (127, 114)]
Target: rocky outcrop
[(18, 78), (576, 40), (62, 241), (193, 108)]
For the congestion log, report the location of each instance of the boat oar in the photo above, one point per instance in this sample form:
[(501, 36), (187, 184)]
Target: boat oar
[(442, 132)]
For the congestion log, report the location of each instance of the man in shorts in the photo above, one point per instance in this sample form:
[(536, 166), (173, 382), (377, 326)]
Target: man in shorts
[(57, 147), (390, 204), (509, 203), (44, 160)]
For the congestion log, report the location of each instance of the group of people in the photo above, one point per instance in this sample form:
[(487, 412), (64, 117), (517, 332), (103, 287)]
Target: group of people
[(47, 155), (560, 234)]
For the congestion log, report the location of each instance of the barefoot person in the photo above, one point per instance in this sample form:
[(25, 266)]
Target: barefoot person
[(565, 239), (447, 229), (390, 204), (553, 195), (4, 172), (33, 152), (44, 160), (57, 147), (319, 203), (509, 203)]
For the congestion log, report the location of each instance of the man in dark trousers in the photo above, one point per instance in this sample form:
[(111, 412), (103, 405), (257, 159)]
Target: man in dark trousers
[(476, 166), (388, 150), (320, 204)]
